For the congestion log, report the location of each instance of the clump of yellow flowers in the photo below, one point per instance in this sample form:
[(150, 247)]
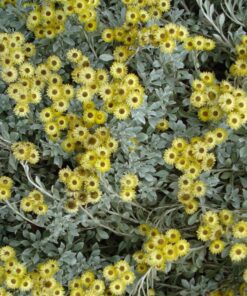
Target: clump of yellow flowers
[(86, 135), (192, 158), (25, 151), (239, 68), (223, 225), (82, 187), (87, 285), (48, 20), (128, 184), (6, 185), (230, 292), (217, 101), (29, 87), (118, 90), (15, 276), (16, 71), (118, 277), (34, 202), (160, 248), (133, 33)]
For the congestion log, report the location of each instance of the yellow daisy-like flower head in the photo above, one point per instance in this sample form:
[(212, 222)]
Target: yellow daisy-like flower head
[(129, 180), (98, 287), (127, 194), (216, 246), (110, 273), (203, 233), (240, 230), (7, 253), (71, 206), (210, 218), (162, 125), (221, 135), (191, 207), (171, 253), (117, 287), (122, 111), (173, 235), (118, 70), (108, 35), (234, 120), (27, 204), (128, 277), (227, 102), (154, 258), (198, 99), (6, 182), (182, 247), (179, 144), (238, 252), (87, 278), (207, 77), (226, 217)]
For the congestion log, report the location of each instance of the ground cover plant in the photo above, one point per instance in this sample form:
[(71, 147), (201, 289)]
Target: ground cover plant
[(123, 147)]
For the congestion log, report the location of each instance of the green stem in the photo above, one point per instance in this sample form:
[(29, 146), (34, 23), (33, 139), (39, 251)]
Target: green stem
[(102, 225), (20, 214), (44, 191)]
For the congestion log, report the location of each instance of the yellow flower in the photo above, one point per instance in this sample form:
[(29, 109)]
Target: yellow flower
[(216, 246), (71, 206), (203, 114), (199, 188), (207, 77), (98, 287), (7, 253), (203, 233), (162, 125), (210, 218), (128, 277), (117, 287), (238, 252), (173, 235), (27, 204), (227, 102), (108, 35), (221, 135), (156, 257), (170, 156), (122, 266), (127, 194), (182, 247), (226, 217), (129, 180), (198, 99), (87, 278), (110, 273), (74, 182), (191, 207), (141, 268), (240, 230), (199, 42), (118, 70), (143, 229), (40, 209), (26, 284), (234, 120), (12, 282), (171, 253), (122, 111)]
